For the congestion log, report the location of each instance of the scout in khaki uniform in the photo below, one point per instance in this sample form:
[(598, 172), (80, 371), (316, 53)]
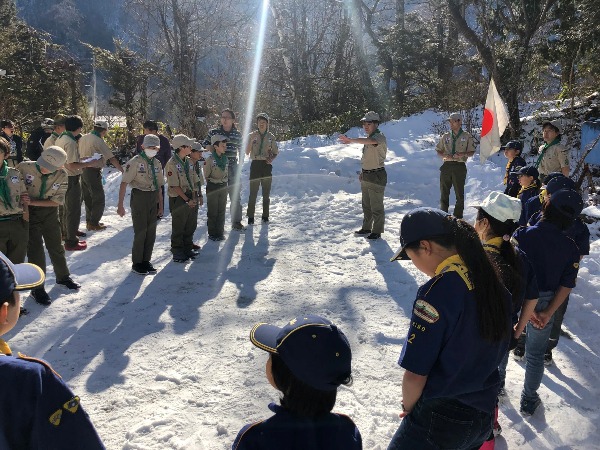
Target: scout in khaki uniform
[(90, 145), (144, 173), (553, 156), (262, 149), (14, 214), (74, 167), (198, 160), (182, 189), (46, 183), (215, 173), (59, 128), (454, 148), (373, 177)]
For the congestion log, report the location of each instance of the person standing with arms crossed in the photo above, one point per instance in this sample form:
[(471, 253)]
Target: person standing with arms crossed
[(372, 177), (454, 148), (233, 153)]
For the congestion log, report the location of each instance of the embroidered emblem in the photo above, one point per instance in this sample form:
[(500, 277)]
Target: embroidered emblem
[(29, 179), (576, 265), (14, 179), (169, 173), (55, 186), (72, 405), (55, 417), (426, 311), (178, 168), (127, 168), (142, 169)]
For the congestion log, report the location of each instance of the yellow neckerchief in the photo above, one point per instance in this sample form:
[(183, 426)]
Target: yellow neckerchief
[(455, 264), (4, 348), (541, 196), (505, 180), (493, 245), (526, 188)]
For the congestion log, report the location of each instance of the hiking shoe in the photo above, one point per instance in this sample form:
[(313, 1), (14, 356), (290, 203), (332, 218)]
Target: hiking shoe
[(180, 258), (98, 227), (81, 245), (41, 296), (69, 283), (191, 254), (528, 407), (548, 358), (216, 238), (149, 267), (362, 232), (250, 220), (80, 234), (195, 247), (265, 219), (374, 236), (519, 353), (238, 226), (139, 268)]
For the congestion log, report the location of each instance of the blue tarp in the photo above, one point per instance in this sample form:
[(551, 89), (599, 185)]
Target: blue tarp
[(589, 133)]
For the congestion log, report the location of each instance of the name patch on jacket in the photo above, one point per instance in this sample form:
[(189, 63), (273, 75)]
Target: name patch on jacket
[(426, 311)]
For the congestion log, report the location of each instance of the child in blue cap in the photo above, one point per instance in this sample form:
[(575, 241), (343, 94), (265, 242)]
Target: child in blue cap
[(37, 409), (530, 187), (309, 358), (512, 151), (459, 332)]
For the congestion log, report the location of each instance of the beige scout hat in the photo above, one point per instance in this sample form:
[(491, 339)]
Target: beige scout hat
[(52, 159), (262, 116), (197, 146), (217, 138), (101, 124), (554, 123), (180, 140), (371, 116), (455, 116), (151, 140)]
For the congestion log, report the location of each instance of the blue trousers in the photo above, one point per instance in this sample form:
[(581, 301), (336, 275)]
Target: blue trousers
[(443, 423)]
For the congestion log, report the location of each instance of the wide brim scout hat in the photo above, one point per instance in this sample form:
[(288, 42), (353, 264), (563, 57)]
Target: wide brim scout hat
[(313, 348), (151, 140), (501, 207), (568, 202), (422, 223), (197, 146), (101, 124), (556, 123), (217, 138), (181, 140), (52, 159), (455, 116), (262, 116), (371, 116), (18, 277)]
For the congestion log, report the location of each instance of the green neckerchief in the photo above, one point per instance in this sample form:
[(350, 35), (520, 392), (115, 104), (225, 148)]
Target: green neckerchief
[(44, 180), (4, 190), (221, 160), (150, 162), (186, 169), (68, 133), (262, 141), (454, 139), (546, 147), (54, 133), (374, 133), (95, 133)]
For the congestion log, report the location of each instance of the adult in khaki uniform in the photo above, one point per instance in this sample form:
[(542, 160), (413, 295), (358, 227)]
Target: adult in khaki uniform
[(144, 173), (373, 177), (454, 148), (198, 162), (262, 149), (216, 173), (14, 213), (46, 184), (553, 156), (182, 190), (59, 128), (74, 167), (90, 145)]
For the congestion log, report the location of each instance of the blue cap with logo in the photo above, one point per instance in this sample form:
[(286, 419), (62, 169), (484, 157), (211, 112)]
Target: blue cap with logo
[(530, 171), (314, 349), (422, 223), (18, 277), (568, 202)]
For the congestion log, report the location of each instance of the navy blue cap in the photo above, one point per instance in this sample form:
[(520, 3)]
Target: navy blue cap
[(515, 145), (568, 202), (422, 223), (552, 175), (529, 171), (314, 349), (18, 277), (558, 183)]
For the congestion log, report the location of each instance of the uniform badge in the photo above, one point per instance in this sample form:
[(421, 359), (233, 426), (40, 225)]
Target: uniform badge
[(55, 186), (72, 405), (178, 167), (142, 168), (426, 311), (29, 179), (55, 417), (14, 179), (156, 170), (127, 168), (576, 265), (169, 173)]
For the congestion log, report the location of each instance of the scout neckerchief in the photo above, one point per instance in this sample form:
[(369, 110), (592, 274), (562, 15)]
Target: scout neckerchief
[(44, 180), (186, 169), (454, 139), (262, 141), (221, 160), (546, 147), (374, 133), (526, 188), (455, 264), (68, 133), (95, 133), (55, 134), (4, 348), (150, 162), (494, 244), (4, 189)]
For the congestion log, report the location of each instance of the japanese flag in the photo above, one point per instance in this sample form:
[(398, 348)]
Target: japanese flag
[(495, 120)]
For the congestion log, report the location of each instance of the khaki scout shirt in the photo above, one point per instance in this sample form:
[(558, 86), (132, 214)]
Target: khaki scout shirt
[(269, 146), (176, 175), (51, 140), (464, 145), (136, 173), (16, 187), (90, 144), (56, 183), (373, 156), (555, 158), (69, 145), (213, 173)]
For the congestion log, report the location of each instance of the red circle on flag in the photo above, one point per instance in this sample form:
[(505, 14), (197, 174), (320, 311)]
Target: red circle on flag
[(488, 122)]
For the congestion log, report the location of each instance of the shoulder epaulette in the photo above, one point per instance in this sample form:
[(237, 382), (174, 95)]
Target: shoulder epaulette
[(39, 361), (244, 431)]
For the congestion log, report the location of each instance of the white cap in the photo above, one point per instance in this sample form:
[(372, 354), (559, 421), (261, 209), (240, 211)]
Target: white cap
[(101, 124), (501, 207)]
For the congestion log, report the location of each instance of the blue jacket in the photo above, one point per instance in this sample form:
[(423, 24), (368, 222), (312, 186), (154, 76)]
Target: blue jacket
[(512, 177), (579, 232), (287, 431), (39, 411)]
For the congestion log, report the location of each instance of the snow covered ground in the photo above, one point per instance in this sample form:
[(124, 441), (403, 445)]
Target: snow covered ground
[(164, 361)]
